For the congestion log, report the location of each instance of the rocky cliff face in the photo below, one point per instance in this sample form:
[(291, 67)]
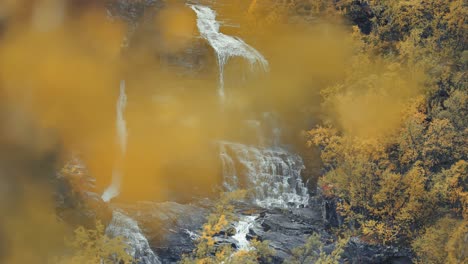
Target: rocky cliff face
[(163, 232), (171, 229)]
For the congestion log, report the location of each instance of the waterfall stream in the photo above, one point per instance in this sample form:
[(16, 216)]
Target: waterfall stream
[(270, 171), (224, 46), (242, 229), (121, 124), (273, 173), (121, 127)]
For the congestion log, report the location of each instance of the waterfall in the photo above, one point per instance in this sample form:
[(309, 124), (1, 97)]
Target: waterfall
[(242, 229), (269, 170), (121, 127), (224, 46), (273, 173), (231, 181), (124, 226)]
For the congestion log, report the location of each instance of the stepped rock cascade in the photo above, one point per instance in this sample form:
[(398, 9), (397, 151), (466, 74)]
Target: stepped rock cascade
[(121, 128), (273, 172), (124, 226), (224, 46)]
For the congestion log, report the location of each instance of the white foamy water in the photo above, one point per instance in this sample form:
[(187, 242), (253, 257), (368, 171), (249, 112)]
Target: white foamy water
[(274, 174), (127, 228), (121, 124), (231, 182), (121, 127), (242, 229), (225, 46), (193, 235), (114, 188)]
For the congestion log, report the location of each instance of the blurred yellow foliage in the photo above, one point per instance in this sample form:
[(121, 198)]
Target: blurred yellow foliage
[(93, 246)]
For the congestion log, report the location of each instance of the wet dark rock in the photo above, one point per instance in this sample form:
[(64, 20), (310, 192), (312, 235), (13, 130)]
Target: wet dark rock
[(169, 227), (358, 251), (83, 206), (229, 231), (225, 240), (131, 10), (144, 36), (138, 246), (287, 229), (330, 214)]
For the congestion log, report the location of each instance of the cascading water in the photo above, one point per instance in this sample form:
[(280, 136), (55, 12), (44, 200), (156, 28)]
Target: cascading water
[(242, 229), (224, 46), (114, 189), (121, 224), (124, 226), (231, 182), (121, 123), (274, 174), (270, 170)]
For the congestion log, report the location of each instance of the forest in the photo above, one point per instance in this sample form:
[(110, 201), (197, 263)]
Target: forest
[(233, 131)]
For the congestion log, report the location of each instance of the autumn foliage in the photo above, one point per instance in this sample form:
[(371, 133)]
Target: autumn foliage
[(393, 138)]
